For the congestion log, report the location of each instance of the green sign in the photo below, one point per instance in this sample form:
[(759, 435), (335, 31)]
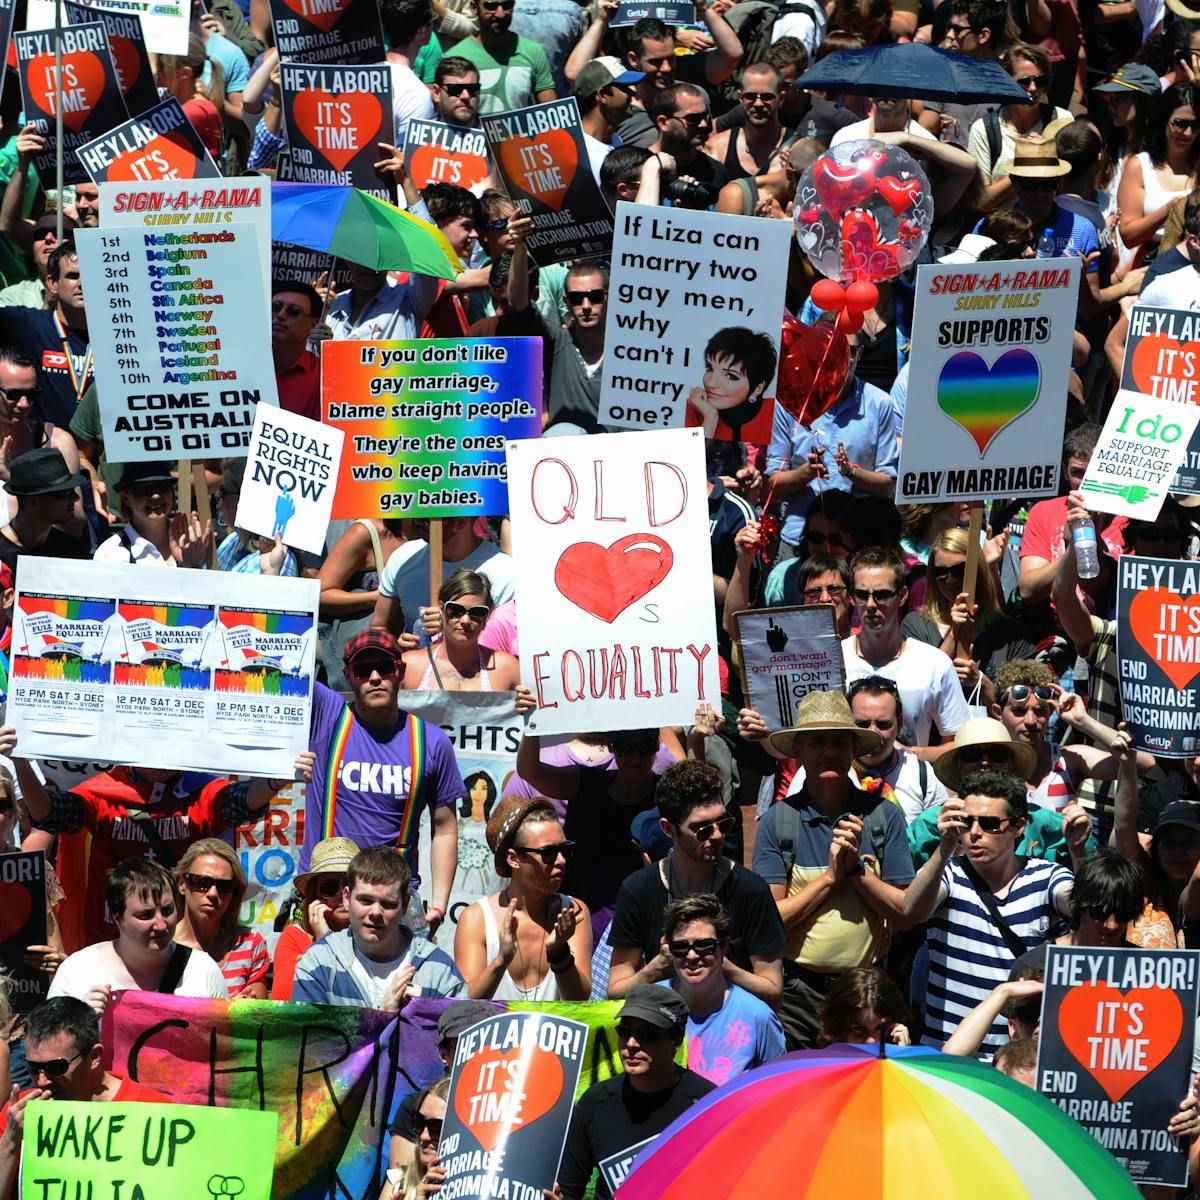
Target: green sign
[(103, 1151)]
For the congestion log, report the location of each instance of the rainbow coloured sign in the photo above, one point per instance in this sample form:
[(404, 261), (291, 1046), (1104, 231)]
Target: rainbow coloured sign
[(987, 380), (426, 422)]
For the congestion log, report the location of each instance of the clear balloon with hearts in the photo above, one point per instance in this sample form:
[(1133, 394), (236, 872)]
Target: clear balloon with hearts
[(863, 211)]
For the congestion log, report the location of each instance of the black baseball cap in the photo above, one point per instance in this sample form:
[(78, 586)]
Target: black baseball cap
[(657, 1006)]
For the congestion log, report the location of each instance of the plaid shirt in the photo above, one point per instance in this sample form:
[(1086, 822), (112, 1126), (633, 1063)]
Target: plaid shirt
[(1104, 705)]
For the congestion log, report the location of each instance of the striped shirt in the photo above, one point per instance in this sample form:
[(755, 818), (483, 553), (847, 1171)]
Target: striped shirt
[(248, 962), (967, 955)]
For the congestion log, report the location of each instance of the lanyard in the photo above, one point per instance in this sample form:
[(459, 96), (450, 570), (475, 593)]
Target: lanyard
[(76, 383)]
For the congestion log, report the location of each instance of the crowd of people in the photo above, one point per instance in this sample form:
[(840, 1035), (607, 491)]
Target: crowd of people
[(887, 869)]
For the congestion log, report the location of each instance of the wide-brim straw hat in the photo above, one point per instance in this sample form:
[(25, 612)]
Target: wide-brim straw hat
[(1037, 157), (983, 731), (329, 857), (826, 712)]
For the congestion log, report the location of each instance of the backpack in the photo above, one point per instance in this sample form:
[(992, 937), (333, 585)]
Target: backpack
[(995, 140), (753, 21), (787, 829)]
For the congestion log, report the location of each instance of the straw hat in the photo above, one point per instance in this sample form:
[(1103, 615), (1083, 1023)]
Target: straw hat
[(329, 857), (983, 731), (826, 712), (1037, 157)]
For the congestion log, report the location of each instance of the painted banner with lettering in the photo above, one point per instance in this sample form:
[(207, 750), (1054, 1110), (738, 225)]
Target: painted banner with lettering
[(334, 1075)]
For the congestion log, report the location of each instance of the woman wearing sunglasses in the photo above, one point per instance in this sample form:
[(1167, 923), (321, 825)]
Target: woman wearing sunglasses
[(424, 1175), (154, 533), (528, 941), (321, 909), (455, 661), (212, 886)]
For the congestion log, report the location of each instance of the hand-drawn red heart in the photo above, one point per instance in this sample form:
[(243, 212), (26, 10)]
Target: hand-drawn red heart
[(126, 60), (843, 188), (167, 156), (324, 20), (542, 167), (813, 363), (1084, 1014), (15, 906), (435, 164), (1147, 618), (1167, 368), (83, 85), (899, 195), (605, 582), (340, 136), (535, 1091), (864, 256)]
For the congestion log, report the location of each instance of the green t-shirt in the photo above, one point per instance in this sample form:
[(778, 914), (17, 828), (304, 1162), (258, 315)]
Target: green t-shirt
[(85, 425), (511, 76)]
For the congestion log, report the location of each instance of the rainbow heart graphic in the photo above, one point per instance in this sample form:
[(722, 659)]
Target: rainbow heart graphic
[(983, 399)]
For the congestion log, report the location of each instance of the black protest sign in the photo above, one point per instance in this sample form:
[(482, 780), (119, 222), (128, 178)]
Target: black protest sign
[(1115, 1049), (614, 1169), (308, 266), (328, 31), (512, 1088), (439, 153), (91, 97), (676, 12), (127, 43), (23, 924), (335, 119), (161, 143), (544, 163), (8, 10), (1158, 653)]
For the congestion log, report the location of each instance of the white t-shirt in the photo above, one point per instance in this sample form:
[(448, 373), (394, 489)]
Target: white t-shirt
[(861, 131), (807, 24), (376, 977), (929, 688), (598, 151), (410, 98), (406, 576), (94, 965)]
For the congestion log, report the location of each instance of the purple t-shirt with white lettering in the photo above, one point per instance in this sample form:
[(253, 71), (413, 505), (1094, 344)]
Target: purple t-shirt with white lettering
[(373, 781)]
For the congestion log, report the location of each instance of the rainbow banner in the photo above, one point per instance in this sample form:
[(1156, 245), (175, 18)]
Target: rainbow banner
[(426, 422), (335, 1076)]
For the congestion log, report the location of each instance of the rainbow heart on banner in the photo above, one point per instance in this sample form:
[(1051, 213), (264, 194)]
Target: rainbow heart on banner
[(983, 399)]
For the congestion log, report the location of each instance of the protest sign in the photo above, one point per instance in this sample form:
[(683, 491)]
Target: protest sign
[(787, 653), (1143, 445), (108, 661), (1115, 1049), (91, 96), (335, 117), (308, 266), (127, 43), (987, 384), (671, 12), (180, 359), (512, 1087), (164, 22), (440, 153), (269, 848), (1158, 653), (426, 422), (8, 10), (23, 923), (291, 471), (328, 31), (614, 1169), (147, 1149), (543, 160), (691, 333), (178, 202), (610, 541), (161, 143)]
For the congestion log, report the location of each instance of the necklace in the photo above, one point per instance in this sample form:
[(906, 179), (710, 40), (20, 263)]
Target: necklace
[(505, 900)]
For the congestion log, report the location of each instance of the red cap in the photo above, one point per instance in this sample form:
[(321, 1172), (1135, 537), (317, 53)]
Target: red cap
[(372, 639)]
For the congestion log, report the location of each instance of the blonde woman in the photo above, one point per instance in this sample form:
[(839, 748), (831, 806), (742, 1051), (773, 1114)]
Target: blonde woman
[(424, 1175)]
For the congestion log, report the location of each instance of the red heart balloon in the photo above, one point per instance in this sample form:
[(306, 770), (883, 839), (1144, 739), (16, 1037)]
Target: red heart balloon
[(899, 195), (864, 256), (842, 188), (814, 361)]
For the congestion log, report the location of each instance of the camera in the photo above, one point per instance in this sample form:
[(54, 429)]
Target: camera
[(685, 194)]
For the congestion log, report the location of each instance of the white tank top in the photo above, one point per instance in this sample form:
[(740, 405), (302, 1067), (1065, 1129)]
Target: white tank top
[(508, 988)]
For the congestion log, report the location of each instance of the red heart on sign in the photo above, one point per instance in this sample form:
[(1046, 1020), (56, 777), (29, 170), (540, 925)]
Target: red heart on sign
[(341, 131), (126, 60), (605, 582), (1146, 619), (325, 19), (899, 196), (486, 1106), (1084, 1014), (843, 188), (542, 167), (436, 164), (15, 906), (1167, 368), (83, 85), (167, 156)]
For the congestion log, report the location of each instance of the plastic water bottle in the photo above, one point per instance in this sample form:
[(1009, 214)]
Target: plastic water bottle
[(1045, 246), (1083, 538)]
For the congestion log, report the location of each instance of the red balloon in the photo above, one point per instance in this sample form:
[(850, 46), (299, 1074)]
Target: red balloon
[(861, 295), (848, 322), (829, 295), (813, 365)]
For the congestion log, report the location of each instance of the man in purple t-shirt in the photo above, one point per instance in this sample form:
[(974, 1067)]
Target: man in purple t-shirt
[(362, 776)]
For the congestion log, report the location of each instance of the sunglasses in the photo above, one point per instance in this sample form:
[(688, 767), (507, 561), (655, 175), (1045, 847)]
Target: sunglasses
[(704, 830), (455, 612), (549, 854), (1100, 914), (457, 89), (643, 1033), (498, 5), (51, 1068), (955, 572), (495, 226), (40, 235), (1035, 185), (291, 310), (986, 824), (327, 889), (1028, 1014), (695, 120), (974, 754), (364, 668), (761, 97), (205, 883), (1182, 124), (143, 490), (879, 595), (30, 394), (595, 295), (703, 947), (1039, 81), (958, 31), (813, 594), (431, 1125), (1019, 693)]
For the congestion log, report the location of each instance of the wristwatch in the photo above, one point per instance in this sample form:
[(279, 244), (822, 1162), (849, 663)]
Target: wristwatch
[(867, 862)]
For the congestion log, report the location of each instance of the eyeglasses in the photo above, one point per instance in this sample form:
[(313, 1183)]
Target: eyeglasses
[(457, 89), (328, 888), (205, 883), (759, 97), (1019, 693), (142, 490), (1038, 81), (455, 611), (975, 754), (52, 1068), (813, 594), (879, 595), (549, 854), (595, 295), (704, 830), (695, 120), (364, 668), (291, 310), (957, 571), (1183, 124), (986, 824), (703, 947), (430, 1125)]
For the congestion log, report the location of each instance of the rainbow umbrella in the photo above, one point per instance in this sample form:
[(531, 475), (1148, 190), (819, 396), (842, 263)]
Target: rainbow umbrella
[(347, 223), (846, 1123)]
